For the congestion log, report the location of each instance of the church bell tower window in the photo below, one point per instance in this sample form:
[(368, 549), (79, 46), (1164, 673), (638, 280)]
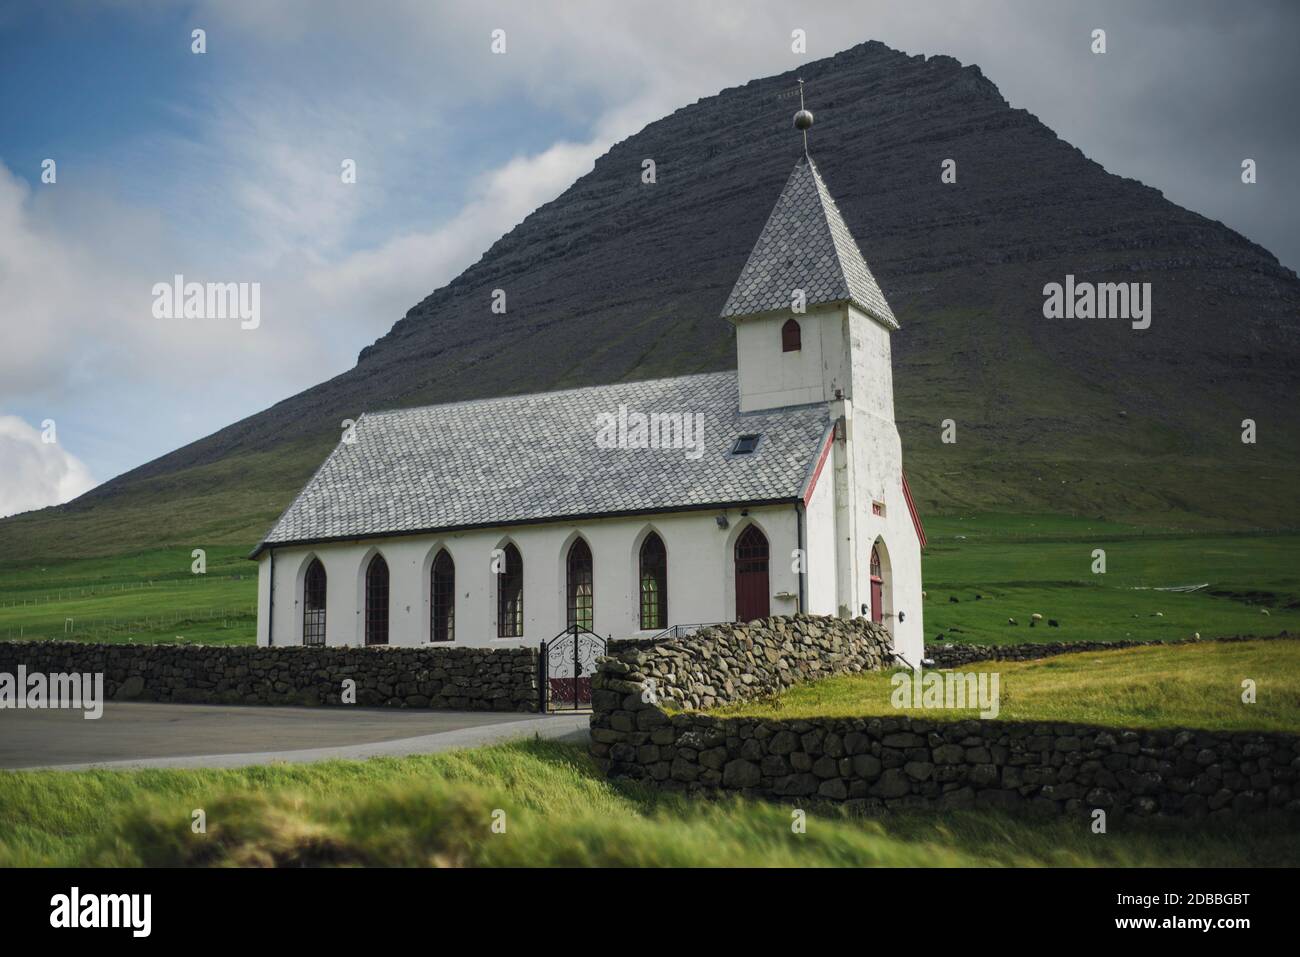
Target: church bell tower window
[(790, 341)]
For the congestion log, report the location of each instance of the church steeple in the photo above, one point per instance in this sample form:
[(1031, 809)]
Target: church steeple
[(811, 322), (806, 247)]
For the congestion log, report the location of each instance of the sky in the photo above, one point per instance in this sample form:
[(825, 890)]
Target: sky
[(226, 166)]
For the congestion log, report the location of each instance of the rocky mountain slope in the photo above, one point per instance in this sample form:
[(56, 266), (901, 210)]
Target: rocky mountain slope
[(619, 280)]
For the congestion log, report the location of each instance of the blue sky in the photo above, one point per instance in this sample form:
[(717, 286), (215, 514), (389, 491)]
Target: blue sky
[(225, 166)]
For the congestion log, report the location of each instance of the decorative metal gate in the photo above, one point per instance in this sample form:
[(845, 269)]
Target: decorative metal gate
[(565, 665)]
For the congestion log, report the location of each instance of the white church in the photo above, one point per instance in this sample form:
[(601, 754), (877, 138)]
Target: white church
[(632, 508)]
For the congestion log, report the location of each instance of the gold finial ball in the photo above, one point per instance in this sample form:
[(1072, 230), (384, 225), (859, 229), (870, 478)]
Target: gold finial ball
[(802, 120)]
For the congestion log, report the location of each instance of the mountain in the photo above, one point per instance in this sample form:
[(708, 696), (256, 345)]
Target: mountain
[(619, 280)]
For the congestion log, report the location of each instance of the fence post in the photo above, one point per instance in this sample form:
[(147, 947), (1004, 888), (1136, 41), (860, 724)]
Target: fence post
[(541, 678)]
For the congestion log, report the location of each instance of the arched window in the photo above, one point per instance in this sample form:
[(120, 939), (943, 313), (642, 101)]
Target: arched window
[(442, 598), (377, 601), (877, 587), (752, 598), (654, 583), (579, 585), (510, 595), (313, 604), (790, 336)]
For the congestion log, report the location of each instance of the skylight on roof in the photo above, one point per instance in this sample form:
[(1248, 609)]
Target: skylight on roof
[(745, 445)]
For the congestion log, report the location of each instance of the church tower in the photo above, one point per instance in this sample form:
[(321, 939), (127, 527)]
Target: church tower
[(811, 321), (812, 326)]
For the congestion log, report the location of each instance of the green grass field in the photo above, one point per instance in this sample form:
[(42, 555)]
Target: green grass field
[(1021, 565), (1172, 686), (149, 596), (558, 811), (1018, 565)]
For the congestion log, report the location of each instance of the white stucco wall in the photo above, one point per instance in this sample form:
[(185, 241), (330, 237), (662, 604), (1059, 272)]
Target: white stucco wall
[(820, 540), (701, 577), (844, 350), (770, 378), (876, 455)]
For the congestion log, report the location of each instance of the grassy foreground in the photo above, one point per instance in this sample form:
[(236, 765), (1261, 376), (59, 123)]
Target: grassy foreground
[(1185, 686), (439, 810)]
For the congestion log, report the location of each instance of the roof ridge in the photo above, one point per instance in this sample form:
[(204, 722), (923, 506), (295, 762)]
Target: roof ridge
[(851, 257), (572, 391), (828, 214)]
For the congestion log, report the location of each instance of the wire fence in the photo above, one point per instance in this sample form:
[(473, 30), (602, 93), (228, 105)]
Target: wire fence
[(77, 628), (93, 591)]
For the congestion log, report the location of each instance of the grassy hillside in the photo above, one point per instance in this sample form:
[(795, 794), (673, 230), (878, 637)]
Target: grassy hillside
[(231, 502), (1076, 448), (1182, 686), (558, 811), (1038, 433), (145, 596)]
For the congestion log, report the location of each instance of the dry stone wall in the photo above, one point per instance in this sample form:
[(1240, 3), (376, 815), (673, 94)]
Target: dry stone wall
[(876, 764), (955, 655), (463, 679), (890, 763), (731, 662)]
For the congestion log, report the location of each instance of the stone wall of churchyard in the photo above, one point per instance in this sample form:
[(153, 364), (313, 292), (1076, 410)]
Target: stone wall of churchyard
[(897, 763), (956, 655), (465, 679), (881, 763), (731, 662)]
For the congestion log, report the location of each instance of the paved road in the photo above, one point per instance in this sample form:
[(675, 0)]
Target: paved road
[(139, 735)]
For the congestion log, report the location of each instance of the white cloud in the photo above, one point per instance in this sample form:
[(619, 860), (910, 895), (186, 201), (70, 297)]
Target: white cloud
[(38, 313), (405, 269), (36, 473)]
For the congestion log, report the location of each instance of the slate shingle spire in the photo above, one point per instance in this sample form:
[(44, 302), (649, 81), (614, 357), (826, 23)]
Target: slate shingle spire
[(806, 245)]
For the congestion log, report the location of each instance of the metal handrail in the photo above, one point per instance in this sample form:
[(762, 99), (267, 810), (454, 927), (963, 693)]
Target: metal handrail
[(682, 630)]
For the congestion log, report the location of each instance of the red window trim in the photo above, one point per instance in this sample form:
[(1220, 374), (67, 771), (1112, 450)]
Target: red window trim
[(911, 507), (821, 463)]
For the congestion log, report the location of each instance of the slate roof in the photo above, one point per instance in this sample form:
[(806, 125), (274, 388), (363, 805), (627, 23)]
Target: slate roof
[(535, 457), (806, 245)]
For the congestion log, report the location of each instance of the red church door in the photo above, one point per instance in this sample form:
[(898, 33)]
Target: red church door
[(752, 599), (877, 611)]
